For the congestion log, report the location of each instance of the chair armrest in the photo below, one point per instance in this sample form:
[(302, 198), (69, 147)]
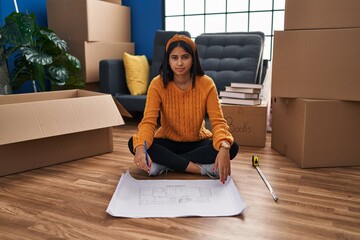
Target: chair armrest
[(112, 77)]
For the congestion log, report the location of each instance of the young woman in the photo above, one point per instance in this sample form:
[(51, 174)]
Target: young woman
[(182, 95)]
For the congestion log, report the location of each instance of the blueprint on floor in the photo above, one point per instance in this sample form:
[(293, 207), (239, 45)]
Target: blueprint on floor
[(174, 198)]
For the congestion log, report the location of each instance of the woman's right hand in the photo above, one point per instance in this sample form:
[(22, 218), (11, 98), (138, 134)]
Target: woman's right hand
[(222, 162), (140, 158)]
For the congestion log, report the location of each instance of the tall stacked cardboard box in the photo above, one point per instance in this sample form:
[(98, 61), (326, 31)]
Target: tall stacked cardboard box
[(93, 29), (316, 84)]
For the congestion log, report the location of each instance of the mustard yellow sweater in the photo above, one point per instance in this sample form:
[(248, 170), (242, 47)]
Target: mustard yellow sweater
[(182, 114)]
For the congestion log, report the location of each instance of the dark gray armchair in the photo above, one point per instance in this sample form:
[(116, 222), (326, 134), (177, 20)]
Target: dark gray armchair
[(232, 57), (112, 74)]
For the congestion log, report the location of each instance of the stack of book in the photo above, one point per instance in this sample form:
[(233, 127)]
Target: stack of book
[(241, 94)]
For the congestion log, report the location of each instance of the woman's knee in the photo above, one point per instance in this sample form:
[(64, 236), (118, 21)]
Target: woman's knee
[(130, 145), (234, 150)]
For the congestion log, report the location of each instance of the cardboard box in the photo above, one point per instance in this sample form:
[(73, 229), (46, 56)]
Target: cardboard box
[(317, 133), (319, 64), (90, 54), (247, 123), (319, 14), (42, 129), (89, 20)]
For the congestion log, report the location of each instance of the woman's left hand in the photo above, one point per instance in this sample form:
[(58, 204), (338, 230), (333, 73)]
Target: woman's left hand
[(222, 162)]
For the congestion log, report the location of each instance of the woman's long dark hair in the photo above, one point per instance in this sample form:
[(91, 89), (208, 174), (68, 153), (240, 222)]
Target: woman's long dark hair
[(167, 73)]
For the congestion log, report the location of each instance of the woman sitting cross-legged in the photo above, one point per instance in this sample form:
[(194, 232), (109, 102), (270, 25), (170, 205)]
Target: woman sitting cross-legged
[(182, 95)]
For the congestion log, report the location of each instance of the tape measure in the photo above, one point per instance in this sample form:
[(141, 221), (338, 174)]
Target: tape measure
[(255, 163), (255, 160)]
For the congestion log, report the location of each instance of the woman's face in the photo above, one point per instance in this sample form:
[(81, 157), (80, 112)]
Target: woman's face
[(180, 61)]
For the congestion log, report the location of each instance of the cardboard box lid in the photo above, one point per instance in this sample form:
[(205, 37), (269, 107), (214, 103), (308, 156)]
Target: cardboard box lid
[(31, 116)]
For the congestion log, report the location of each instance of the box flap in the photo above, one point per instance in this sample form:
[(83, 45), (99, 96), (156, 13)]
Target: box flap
[(46, 118), (122, 110)]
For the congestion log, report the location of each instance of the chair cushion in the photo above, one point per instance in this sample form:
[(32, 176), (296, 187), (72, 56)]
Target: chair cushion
[(137, 73)]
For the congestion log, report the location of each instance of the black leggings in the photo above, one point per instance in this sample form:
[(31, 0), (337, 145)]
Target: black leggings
[(177, 155)]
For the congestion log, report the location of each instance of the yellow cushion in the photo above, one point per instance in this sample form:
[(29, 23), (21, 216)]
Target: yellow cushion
[(137, 73)]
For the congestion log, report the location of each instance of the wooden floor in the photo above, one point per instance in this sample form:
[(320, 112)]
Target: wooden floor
[(68, 201)]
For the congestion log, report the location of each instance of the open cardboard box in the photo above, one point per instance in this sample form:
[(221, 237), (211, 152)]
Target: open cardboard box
[(41, 129)]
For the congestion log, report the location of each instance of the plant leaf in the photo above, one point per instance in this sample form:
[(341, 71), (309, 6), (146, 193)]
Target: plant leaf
[(61, 44), (74, 61), (37, 57), (59, 74), (19, 29), (73, 82)]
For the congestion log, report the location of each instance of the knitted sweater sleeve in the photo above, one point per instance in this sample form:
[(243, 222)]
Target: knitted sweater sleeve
[(146, 129), (220, 128)]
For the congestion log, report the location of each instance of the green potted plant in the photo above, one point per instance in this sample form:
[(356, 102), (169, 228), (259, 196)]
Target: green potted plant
[(39, 55)]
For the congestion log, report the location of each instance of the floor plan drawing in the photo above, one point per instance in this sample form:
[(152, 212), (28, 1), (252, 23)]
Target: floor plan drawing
[(174, 194), (153, 198)]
